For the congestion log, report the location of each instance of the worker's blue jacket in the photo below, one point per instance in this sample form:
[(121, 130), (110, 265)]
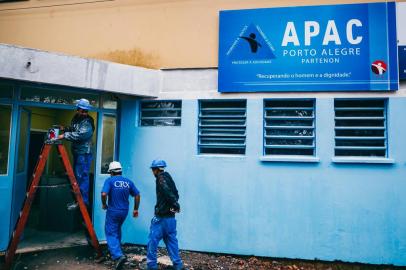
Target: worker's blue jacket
[(80, 134), (166, 196)]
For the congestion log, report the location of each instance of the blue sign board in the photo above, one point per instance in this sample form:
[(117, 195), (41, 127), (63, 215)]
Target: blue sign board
[(313, 48), (402, 62)]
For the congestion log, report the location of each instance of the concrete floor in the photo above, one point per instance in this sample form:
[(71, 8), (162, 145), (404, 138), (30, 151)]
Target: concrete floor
[(35, 240)]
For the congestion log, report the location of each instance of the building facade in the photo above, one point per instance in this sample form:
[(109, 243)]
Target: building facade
[(309, 175)]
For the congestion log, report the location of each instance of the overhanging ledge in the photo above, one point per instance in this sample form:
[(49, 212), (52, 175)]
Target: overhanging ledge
[(33, 65)]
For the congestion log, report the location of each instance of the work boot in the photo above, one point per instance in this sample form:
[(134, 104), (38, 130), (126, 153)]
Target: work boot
[(72, 206), (143, 266), (120, 262)]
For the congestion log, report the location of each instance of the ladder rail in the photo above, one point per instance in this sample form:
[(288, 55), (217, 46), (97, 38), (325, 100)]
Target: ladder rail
[(79, 198), (20, 225)]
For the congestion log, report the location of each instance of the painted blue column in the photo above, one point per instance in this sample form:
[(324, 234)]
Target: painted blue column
[(6, 185)]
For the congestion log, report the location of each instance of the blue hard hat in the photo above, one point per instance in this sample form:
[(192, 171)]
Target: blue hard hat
[(83, 104), (158, 163)]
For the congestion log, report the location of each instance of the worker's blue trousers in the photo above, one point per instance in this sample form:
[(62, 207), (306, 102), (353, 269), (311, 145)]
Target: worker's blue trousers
[(81, 164), (112, 228), (163, 228)]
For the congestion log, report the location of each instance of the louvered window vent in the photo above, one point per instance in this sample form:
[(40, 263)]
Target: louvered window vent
[(222, 127), (360, 127), (289, 127)]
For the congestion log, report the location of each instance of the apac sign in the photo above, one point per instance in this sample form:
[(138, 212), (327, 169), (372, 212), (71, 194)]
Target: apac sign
[(315, 48), (401, 20)]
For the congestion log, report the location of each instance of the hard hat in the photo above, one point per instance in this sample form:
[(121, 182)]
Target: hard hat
[(158, 163), (115, 166), (83, 104)]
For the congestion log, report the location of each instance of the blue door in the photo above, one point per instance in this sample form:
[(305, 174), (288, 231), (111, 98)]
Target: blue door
[(21, 166)]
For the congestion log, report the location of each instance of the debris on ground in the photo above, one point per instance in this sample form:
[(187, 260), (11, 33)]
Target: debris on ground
[(83, 258)]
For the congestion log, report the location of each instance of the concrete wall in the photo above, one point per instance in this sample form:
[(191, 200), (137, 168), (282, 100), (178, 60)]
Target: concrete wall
[(239, 204), (149, 33), (33, 65)]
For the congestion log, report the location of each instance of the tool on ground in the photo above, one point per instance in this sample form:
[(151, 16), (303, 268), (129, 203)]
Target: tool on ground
[(39, 168)]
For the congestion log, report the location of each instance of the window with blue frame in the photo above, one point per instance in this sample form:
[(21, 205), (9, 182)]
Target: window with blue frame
[(222, 127), (108, 141), (51, 96), (289, 127), (360, 127), (161, 113), (5, 128)]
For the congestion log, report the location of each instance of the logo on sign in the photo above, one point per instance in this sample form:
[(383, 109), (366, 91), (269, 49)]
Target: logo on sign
[(378, 67), (251, 46)]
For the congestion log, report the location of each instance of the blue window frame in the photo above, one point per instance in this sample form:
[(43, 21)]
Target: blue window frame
[(222, 127), (289, 127), (109, 127), (360, 127)]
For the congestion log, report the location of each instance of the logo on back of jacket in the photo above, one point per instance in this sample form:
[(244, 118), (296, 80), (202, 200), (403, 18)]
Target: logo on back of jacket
[(121, 184), (251, 46)]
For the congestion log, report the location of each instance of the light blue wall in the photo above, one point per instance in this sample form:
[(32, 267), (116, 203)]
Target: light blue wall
[(238, 204)]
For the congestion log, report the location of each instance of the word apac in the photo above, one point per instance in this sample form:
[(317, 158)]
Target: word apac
[(312, 29)]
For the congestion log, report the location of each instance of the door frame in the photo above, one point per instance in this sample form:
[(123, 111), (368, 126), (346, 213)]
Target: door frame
[(17, 176), (16, 104)]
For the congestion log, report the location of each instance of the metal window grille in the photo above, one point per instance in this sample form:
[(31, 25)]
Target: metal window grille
[(360, 127), (161, 113), (222, 127), (289, 127)]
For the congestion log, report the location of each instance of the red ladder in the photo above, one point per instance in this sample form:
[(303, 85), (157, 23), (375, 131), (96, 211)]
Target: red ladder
[(39, 169)]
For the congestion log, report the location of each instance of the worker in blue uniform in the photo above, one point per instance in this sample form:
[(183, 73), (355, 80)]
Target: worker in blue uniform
[(163, 225), (116, 190), (80, 134)]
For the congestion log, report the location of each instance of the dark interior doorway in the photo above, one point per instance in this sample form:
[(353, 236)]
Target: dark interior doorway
[(50, 224)]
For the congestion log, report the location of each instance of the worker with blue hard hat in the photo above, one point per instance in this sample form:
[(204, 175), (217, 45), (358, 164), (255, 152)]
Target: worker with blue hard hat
[(80, 133), (163, 224), (117, 190)]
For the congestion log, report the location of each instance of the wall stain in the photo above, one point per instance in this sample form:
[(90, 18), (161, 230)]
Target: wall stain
[(133, 57)]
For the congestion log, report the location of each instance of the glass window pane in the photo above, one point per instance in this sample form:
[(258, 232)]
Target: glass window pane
[(289, 127), (109, 101), (5, 124), (56, 96), (108, 141), (161, 113), (6, 91), (22, 145)]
